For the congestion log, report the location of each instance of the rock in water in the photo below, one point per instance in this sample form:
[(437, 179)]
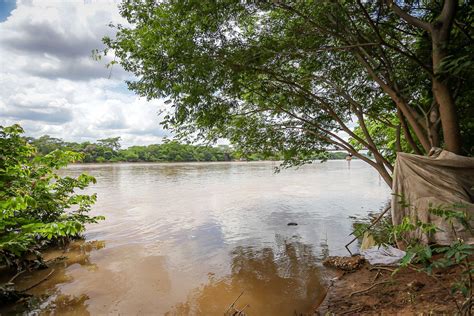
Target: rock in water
[(344, 263)]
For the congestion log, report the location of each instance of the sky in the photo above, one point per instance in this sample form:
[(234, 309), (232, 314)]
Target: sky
[(50, 84)]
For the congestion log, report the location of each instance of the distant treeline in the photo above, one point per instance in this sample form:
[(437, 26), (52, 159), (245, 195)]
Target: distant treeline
[(109, 150)]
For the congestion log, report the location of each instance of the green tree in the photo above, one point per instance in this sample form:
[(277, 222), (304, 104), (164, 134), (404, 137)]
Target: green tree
[(46, 144), (288, 77), (112, 143)]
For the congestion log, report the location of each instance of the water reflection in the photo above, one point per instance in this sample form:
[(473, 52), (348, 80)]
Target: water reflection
[(281, 281), (278, 280)]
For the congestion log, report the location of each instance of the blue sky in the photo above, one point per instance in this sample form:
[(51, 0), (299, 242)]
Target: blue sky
[(50, 84), (6, 7)]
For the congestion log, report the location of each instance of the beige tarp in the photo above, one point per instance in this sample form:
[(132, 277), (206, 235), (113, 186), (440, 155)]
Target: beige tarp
[(424, 182)]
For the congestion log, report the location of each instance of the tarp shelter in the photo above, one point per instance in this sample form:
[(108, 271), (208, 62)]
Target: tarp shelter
[(441, 179)]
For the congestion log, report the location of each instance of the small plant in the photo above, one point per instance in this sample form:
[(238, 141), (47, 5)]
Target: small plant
[(37, 206), (426, 258), (429, 257), (381, 232)]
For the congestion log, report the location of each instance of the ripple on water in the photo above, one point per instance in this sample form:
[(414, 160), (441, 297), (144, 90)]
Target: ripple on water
[(187, 239)]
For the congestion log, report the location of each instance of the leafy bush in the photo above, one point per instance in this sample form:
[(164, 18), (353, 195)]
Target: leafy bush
[(458, 254), (37, 206), (381, 232), (427, 257)]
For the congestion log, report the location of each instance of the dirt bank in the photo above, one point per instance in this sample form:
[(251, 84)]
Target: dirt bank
[(374, 290)]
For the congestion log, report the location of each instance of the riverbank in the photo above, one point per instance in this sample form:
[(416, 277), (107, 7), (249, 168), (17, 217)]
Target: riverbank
[(377, 290)]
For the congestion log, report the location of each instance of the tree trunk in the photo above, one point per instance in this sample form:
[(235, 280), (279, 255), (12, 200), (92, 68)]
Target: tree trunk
[(407, 133), (384, 174), (447, 111), (432, 123), (440, 31), (417, 128), (398, 140)]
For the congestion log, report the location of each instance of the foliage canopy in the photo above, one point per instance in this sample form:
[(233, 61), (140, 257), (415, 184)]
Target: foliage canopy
[(291, 76)]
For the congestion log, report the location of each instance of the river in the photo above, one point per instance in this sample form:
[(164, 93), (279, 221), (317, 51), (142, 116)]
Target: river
[(190, 238)]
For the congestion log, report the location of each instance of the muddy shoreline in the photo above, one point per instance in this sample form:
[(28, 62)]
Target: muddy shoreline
[(376, 290)]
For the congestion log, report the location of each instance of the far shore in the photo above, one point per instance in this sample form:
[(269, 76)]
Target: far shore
[(194, 162)]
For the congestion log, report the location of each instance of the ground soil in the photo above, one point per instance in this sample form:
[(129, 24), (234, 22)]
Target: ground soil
[(407, 292)]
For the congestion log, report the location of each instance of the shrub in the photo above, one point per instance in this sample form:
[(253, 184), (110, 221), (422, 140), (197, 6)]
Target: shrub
[(37, 206), (427, 257)]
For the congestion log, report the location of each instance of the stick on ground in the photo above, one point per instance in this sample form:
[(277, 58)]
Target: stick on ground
[(367, 289)]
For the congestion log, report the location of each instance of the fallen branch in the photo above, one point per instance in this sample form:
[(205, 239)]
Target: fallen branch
[(381, 268), (15, 276), (38, 283), (241, 312), (233, 303), (354, 310), (376, 276), (368, 289), (368, 227)]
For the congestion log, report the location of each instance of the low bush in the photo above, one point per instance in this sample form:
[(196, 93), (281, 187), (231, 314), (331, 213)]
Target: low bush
[(38, 207), (427, 258)]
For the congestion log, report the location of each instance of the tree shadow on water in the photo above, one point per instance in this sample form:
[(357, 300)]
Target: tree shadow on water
[(43, 285), (281, 280)]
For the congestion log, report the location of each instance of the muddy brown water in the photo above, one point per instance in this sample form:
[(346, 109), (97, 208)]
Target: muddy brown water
[(189, 238)]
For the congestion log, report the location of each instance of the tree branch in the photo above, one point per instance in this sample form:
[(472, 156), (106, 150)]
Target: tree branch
[(400, 103), (344, 144), (398, 141), (447, 18), (407, 17), (406, 132), (357, 108)]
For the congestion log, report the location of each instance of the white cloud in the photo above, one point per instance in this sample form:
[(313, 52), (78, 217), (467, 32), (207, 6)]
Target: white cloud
[(50, 84)]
